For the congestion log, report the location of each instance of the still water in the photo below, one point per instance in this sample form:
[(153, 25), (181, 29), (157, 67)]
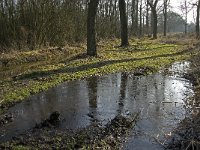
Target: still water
[(159, 98)]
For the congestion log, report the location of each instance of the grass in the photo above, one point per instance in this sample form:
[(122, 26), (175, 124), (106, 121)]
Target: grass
[(15, 58), (76, 65)]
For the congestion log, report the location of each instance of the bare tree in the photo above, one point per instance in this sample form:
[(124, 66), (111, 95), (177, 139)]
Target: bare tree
[(165, 9), (147, 17), (140, 29), (197, 20), (91, 33), (124, 23), (134, 17), (184, 9), (153, 6)]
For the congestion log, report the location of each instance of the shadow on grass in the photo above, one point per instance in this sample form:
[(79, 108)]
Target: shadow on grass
[(40, 74), (139, 48)]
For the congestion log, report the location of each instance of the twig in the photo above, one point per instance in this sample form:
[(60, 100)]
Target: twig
[(1, 101), (188, 146)]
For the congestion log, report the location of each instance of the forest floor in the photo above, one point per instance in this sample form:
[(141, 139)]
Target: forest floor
[(26, 73)]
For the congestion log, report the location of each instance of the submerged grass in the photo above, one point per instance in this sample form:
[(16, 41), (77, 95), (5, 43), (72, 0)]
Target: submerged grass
[(140, 54)]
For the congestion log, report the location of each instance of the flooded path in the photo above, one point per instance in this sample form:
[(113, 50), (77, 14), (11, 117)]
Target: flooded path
[(160, 99)]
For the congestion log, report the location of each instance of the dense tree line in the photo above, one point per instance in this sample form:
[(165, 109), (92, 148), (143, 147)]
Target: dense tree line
[(37, 23), (174, 23), (30, 24)]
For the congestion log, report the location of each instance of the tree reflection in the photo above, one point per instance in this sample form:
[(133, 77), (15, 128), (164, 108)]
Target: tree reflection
[(122, 96), (92, 84)]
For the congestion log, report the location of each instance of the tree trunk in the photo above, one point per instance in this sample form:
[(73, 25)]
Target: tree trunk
[(165, 17), (133, 17), (147, 19), (124, 23), (91, 33), (197, 20), (153, 5), (165, 24), (140, 20), (136, 17), (186, 16), (155, 22)]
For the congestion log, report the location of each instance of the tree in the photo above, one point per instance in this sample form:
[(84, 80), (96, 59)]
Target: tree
[(53, 23), (184, 9), (91, 33), (197, 20), (175, 22), (166, 2), (153, 6), (134, 17), (147, 17), (107, 19), (124, 23), (141, 21)]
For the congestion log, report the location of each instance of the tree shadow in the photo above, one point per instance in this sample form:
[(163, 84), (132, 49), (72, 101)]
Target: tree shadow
[(40, 74), (138, 48), (76, 57)]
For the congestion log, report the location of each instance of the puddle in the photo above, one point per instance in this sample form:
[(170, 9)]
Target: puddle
[(160, 98)]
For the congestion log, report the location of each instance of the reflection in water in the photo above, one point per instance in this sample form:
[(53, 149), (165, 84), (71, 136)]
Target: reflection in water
[(92, 92), (122, 96), (159, 98), (92, 84)]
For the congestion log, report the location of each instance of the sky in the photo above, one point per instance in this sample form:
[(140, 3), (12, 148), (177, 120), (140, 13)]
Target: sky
[(175, 4)]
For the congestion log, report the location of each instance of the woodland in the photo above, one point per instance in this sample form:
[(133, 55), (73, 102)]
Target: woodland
[(99, 74)]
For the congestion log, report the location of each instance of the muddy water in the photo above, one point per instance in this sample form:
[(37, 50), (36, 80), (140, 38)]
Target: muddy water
[(160, 99)]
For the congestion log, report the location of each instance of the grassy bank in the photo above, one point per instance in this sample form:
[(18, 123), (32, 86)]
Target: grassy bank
[(147, 54)]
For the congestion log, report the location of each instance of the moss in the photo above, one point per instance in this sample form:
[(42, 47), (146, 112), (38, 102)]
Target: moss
[(111, 59), (20, 147)]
